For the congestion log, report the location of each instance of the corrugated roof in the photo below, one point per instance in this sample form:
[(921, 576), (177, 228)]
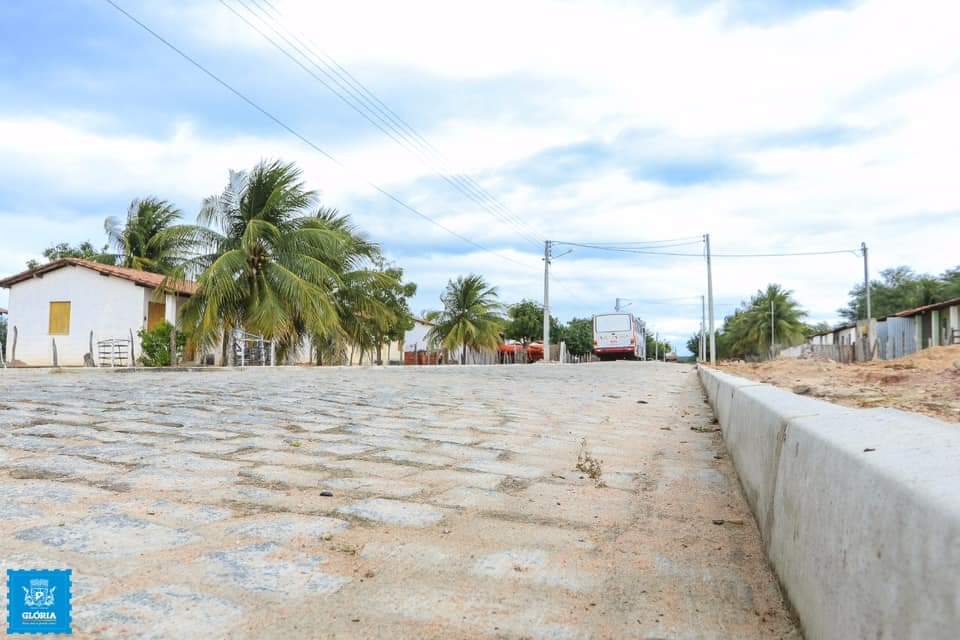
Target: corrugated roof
[(144, 278), (929, 307)]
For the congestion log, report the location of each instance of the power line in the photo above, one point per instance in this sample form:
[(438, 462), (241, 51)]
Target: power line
[(621, 249), (382, 108), (349, 95), (302, 137)]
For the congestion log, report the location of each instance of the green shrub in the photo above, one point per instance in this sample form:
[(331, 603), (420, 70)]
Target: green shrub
[(155, 345)]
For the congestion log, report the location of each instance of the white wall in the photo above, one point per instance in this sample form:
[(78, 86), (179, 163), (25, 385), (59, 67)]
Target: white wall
[(109, 306)]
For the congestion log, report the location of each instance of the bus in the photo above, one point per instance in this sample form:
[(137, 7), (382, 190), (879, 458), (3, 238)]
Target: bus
[(619, 336)]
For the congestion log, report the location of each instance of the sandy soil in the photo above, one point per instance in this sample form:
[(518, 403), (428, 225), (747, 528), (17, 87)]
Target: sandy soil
[(926, 382)]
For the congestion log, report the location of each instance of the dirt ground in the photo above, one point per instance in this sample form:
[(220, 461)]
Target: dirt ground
[(926, 382)]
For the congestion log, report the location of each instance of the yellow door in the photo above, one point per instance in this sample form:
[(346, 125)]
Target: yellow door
[(156, 314)]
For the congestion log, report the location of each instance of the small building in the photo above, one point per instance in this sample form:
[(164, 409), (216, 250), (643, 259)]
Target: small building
[(70, 305), (935, 324)]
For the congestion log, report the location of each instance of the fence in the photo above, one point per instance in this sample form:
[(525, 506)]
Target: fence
[(251, 350)]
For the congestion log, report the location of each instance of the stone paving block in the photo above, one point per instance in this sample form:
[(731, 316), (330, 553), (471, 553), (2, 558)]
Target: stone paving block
[(32, 499), (222, 448), (170, 611), (109, 536), (447, 478), (286, 527), (193, 463), (165, 512), (166, 479), (369, 468), (35, 443), (346, 449), (267, 568), (285, 458), (286, 475), (415, 458), (378, 486), (504, 468), (57, 431), (62, 466), (406, 514), (120, 452), (461, 452)]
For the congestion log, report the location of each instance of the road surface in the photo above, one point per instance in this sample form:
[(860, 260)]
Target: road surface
[(438, 502)]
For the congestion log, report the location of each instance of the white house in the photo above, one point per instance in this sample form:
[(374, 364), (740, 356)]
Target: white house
[(71, 304)]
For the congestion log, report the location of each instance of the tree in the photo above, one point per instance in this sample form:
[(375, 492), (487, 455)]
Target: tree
[(150, 238), (266, 264), (525, 323), (748, 329), (579, 336), (656, 348), (84, 250), (470, 318), (900, 288), (3, 335)]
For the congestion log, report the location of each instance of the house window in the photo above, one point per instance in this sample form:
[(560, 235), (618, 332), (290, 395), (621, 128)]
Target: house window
[(59, 319)]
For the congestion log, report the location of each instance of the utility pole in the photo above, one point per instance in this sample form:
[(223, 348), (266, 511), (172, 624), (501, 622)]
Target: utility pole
[(547, 246), (866, 280), (713, 339), (773, 327), (703, 329)]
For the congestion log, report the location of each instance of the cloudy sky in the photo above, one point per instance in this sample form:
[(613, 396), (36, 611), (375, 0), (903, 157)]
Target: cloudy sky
[(774, 125)]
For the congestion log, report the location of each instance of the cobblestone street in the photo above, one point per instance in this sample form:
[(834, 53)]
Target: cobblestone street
[(405, 502)]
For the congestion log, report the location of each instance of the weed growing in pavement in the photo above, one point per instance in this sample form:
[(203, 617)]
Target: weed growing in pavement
[(587, 463)]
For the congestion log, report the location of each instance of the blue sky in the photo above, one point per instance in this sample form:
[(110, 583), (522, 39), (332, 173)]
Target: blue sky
[(781, 125)]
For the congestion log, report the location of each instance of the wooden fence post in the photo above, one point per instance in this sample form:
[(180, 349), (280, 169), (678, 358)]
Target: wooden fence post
[(55, 361)]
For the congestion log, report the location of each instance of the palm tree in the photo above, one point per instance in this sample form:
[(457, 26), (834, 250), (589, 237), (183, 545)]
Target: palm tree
[(150, 238), (261, 265), (471, 316), (749, 330), (271, 267)]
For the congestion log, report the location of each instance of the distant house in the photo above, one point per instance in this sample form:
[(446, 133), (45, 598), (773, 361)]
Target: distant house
[(70, 304), (935, 324)]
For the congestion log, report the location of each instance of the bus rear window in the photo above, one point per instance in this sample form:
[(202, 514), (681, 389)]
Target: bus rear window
[(620, 322)]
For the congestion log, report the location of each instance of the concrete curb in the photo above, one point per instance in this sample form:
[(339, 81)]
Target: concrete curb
[(859, 509)]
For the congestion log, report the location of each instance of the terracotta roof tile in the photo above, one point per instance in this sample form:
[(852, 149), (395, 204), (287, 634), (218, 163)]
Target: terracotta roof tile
[(145, 278)]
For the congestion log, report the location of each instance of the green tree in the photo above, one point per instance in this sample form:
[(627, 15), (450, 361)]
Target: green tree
[(525, 323), (266, 264), (579, 336), (470, 318), (693, 344), (748, 329), (150, 238), (656, 348), (84, 250), (901, 288)]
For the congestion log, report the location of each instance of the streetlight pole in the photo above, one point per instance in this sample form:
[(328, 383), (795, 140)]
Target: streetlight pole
[(547, 246)]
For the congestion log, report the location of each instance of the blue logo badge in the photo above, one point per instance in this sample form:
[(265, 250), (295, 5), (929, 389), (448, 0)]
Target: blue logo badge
[(38, 600)]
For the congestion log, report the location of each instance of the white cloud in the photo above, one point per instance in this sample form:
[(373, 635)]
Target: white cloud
[(697, 82)]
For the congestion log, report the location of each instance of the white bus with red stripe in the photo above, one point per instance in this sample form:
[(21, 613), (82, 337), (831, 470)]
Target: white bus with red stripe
[(618, 336)]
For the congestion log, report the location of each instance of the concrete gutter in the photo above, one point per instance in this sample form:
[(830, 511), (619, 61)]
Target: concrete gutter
[(859, 509)]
